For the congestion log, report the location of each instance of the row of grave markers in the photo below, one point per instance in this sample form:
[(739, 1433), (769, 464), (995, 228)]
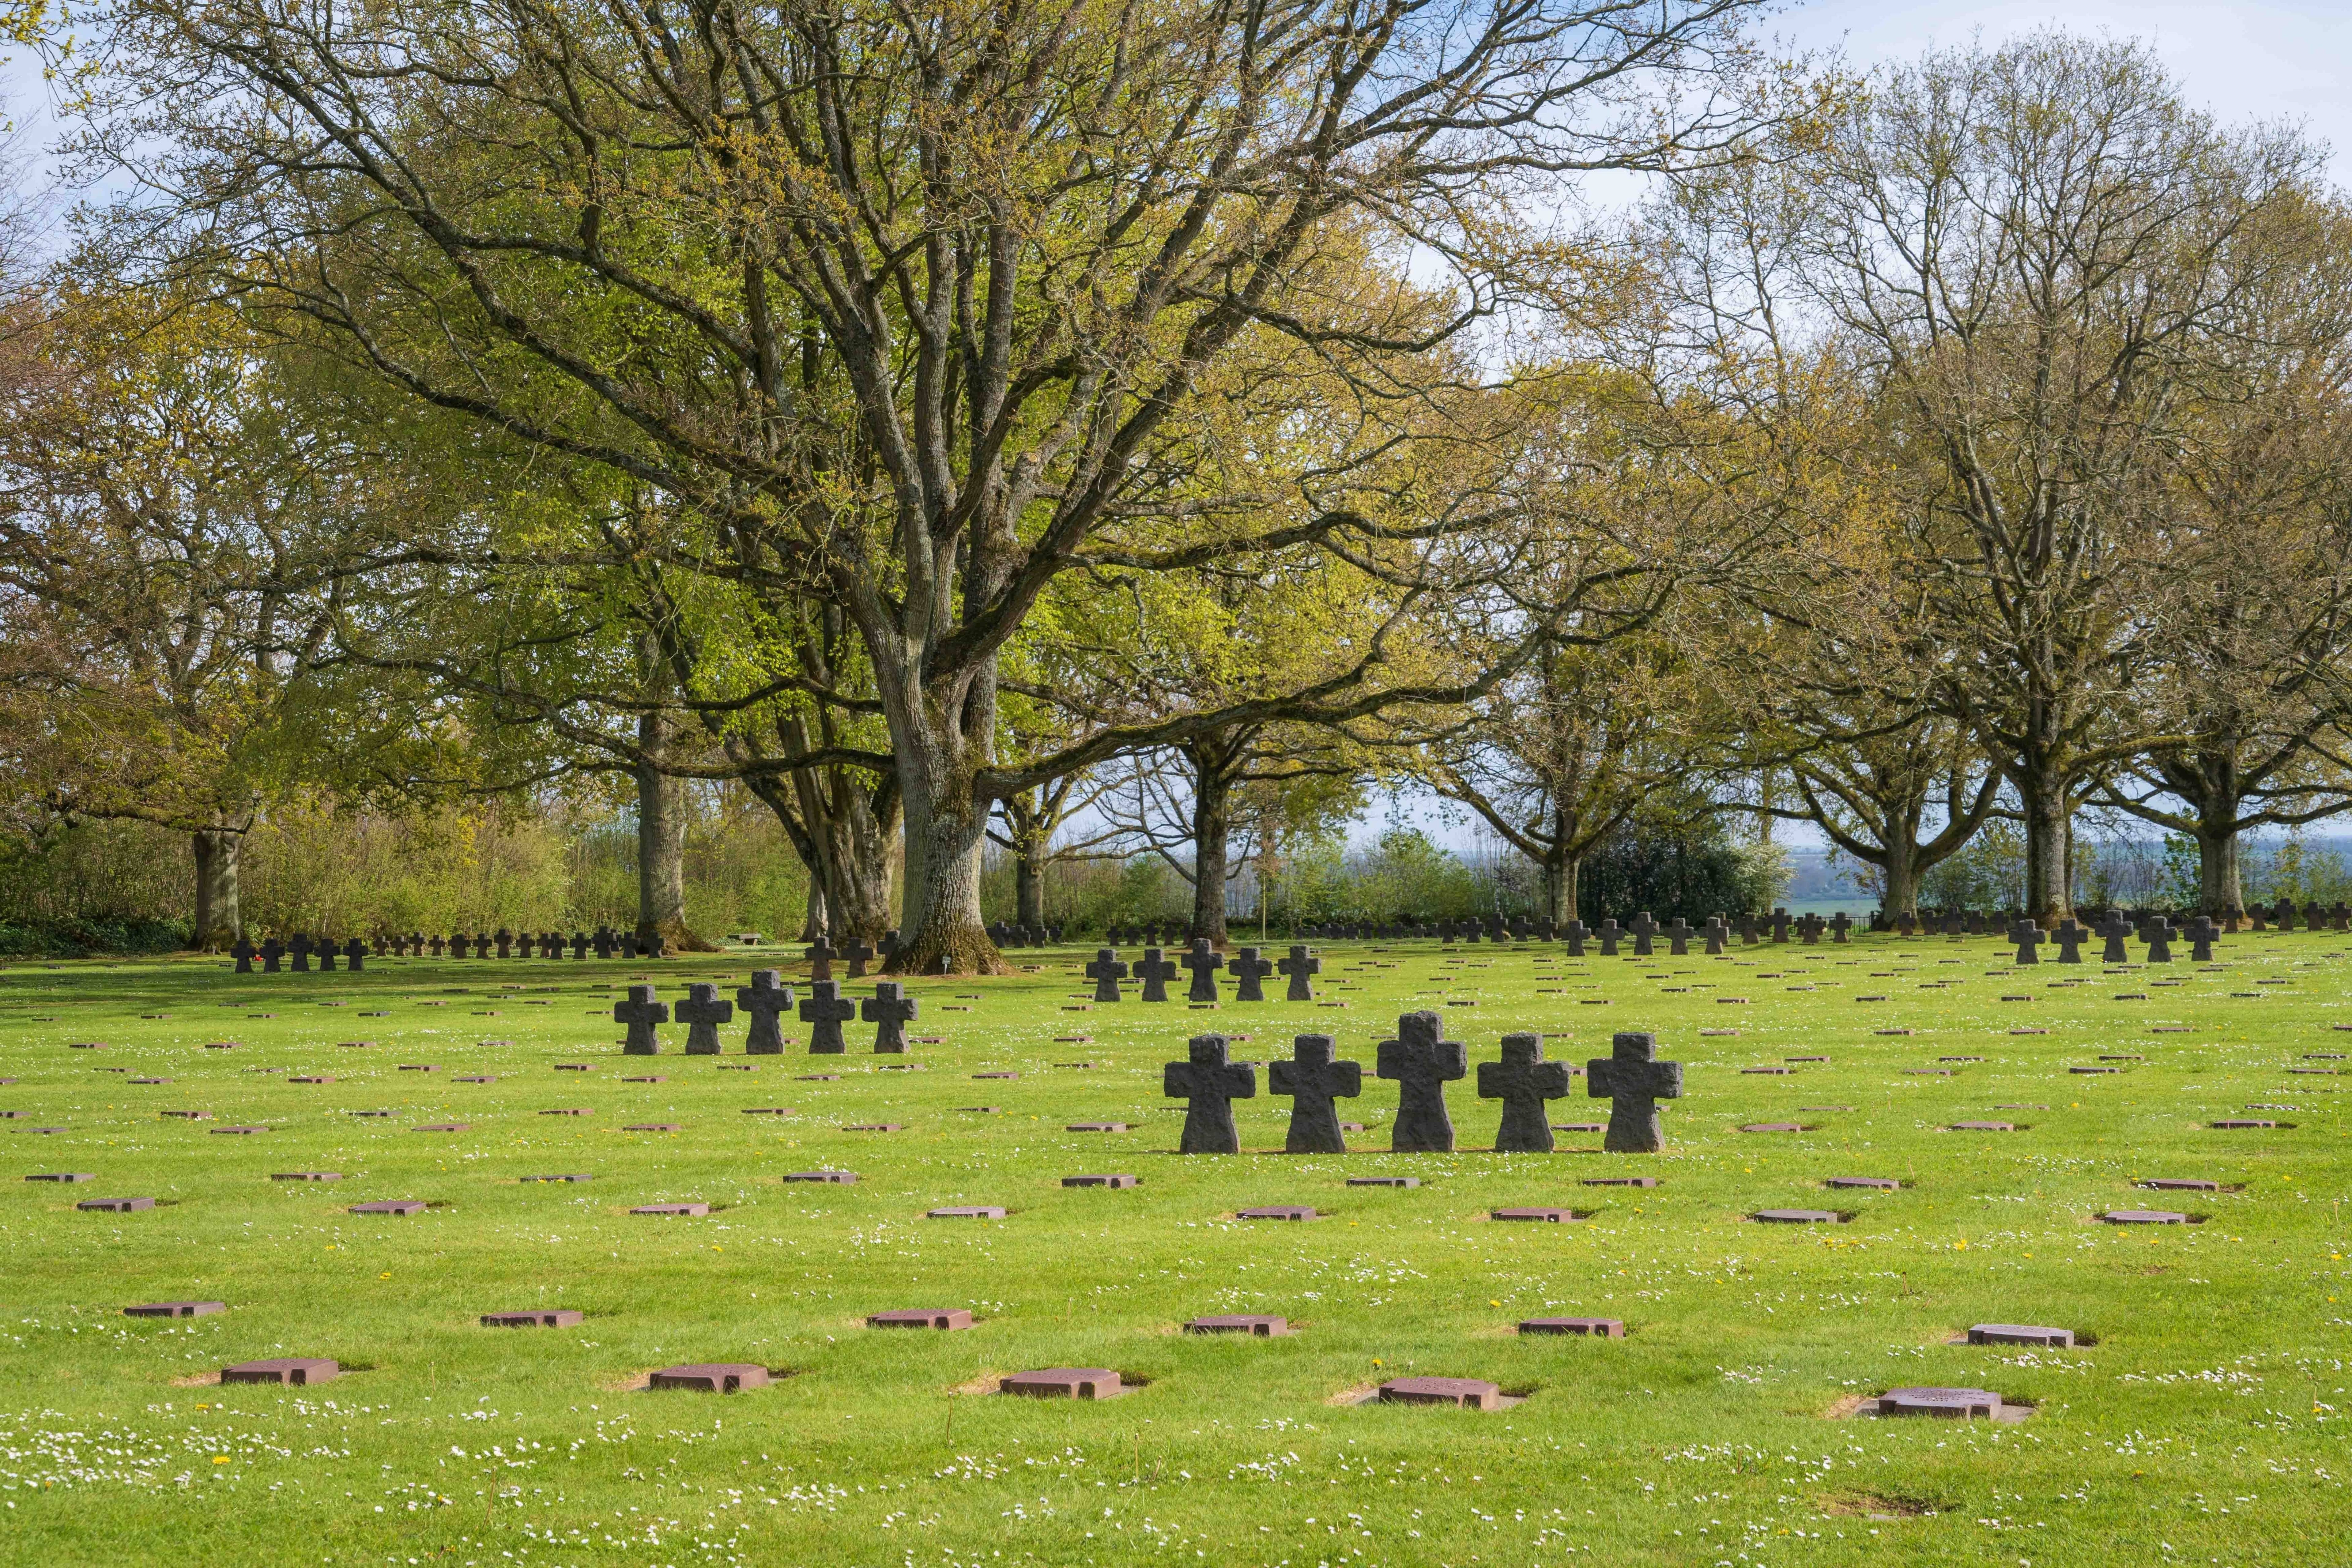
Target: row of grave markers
[(1421, 1061)]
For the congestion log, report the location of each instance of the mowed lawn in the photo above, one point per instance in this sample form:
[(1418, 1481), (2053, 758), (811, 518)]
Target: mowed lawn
[(2206, 1423)]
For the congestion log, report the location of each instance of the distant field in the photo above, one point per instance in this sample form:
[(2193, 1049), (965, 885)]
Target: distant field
[(2205, 1424)]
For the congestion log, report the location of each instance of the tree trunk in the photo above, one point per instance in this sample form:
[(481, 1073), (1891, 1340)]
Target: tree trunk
[(2049, 830), (1212, 809), (1564, 901), (1898, 870), (813, 923), (220, 915), (661, 846), (2218, 896), (945, 834), (1029, 883)]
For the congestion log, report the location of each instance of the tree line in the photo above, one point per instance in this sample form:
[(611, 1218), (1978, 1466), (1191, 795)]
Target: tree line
[(1076, 430)]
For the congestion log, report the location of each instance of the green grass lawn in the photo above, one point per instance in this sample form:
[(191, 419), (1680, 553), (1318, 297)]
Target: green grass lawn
[(2206, 1423)]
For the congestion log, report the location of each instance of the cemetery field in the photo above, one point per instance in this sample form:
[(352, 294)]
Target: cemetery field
[(2200, 1418)]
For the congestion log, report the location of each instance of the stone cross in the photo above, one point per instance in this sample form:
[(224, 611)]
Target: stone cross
[(1203, 962), (1747, 928), (579, 945), (2114, 930), (1678, 937), (1576, 931), (1608, 934), (505, 939), (1906, 923), (2201, 934), (821, 956), (2028, 937), (1249, 970), (1780, 924), (325, 953), (702, 1012), (859, 955), (1155, 971), (1644, 928), (765, 1002), (1715, 932), (1312, 1079), (1632, 1081), (354, 955), (1523, 1080), (825, 1010), (2158, 936), (1423, 1063), (889, 1010), (603, 942), (1106, 972), (641, 1012), (629, 943), (1302, 967), (1209, 1084), (272, 951), (1839, 926), (243, 952), (300, 948), (2070, 937)]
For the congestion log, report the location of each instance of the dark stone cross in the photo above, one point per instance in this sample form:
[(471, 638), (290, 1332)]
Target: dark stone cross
[(1609, 933), (825, 1010), (628, 944), (2070, 937), (505, 939), (889, 1010), (244, 952), (1249, 969), (2028, 937), (300, 948), (1715, 932), (765, 1002), (1423, 1063), (1203, 962), (1106, 972), (1632, 1081), (1780, 924), (1644, 928), (1209, 1084), (702, 1012), (859, 955), (2114, 930), (821, 956), (1302, 967), (1523, 1080), (1839, 926), (603, 942), (1154, 970), (579, 945), (2158, 936), (2201, 934), (641, 1012), (1747, 928), (354, 955), (1313, 1079), (1575, 931), (326, 955)]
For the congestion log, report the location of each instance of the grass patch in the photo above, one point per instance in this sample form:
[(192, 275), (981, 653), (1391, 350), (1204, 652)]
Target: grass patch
[(2219, 1351)]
